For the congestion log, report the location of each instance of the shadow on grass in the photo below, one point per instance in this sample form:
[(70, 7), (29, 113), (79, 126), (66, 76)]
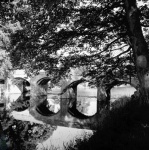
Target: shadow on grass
[(125, 127)]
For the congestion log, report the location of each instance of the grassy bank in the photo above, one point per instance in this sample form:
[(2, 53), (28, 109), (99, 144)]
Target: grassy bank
[(125, 127)]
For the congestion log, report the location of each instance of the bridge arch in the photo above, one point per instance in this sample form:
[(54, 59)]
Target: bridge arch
[(107, 89), (39, 99), (21, 83), (74, 99), (18, 101)]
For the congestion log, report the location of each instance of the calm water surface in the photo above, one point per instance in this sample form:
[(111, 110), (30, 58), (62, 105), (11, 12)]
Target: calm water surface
[(63, 135)]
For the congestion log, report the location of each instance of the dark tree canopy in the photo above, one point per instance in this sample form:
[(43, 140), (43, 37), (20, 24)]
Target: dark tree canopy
[(73, 34)]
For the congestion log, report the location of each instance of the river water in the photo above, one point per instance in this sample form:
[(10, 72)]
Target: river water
[(63, 135)]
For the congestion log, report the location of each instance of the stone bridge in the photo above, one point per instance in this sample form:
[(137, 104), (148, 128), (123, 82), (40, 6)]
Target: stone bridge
[(35, 92)]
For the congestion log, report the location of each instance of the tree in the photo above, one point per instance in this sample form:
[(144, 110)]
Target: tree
[(42, 55), (89, 33), (140, 48), (5, 67), (7, 28)]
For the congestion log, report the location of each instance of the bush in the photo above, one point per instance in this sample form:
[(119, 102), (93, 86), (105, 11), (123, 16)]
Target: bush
[(120, 102), (23, 135), (125, 127)]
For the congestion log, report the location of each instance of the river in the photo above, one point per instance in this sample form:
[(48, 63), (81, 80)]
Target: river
[(63, 135)]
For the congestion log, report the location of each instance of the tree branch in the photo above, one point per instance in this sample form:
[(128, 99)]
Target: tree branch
[(105, 48), (122, 53), (119, 48)]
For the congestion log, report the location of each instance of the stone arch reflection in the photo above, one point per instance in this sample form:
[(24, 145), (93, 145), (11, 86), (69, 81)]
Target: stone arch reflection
[(53, 97), (43, 109), (72, 105), (87, 99), (75, 107), (43, 96)]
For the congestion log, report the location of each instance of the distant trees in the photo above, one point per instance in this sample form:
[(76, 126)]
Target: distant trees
[(140, 48)]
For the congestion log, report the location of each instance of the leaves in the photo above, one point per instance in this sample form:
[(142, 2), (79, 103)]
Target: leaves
[(87, 34)]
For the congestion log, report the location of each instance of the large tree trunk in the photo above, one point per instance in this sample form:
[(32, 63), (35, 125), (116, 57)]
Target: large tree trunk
[(140, 48)]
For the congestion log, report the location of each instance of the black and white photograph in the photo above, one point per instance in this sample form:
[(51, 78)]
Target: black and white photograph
[(74, 75)]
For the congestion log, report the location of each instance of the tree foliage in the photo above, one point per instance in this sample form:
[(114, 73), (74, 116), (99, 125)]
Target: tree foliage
[(5, 66), (73, 34)]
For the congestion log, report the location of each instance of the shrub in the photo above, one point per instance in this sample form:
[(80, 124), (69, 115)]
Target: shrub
[(23, 135), (120, 102)]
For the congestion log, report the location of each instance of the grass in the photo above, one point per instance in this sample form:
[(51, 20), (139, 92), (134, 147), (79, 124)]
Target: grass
[(125, 127)]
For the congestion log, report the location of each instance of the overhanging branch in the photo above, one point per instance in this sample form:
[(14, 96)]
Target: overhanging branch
[(121, 53), (105, 48)]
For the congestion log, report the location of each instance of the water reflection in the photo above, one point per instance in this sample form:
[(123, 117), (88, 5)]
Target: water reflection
[(53, 99), (86, 99), (31, 133)]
